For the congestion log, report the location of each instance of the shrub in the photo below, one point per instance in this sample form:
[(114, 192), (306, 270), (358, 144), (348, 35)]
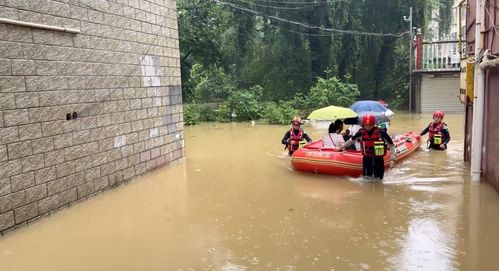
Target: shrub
[(246, 103), (223, 113), (207, 112), (242, 105), (332, 91), (279, 113), (191, 114)]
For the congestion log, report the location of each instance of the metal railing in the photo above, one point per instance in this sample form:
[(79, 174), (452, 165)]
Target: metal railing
[(441, 56)]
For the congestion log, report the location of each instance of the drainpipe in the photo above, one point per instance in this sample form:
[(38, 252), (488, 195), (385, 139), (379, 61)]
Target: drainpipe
[(39, 26), (478, 103), (459, 32)]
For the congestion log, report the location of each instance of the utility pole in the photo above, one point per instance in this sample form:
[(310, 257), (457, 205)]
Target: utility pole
[(410, 57)]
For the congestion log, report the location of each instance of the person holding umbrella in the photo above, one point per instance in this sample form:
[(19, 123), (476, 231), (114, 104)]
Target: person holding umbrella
[(371, 106), (333, 138), (374, 142), (380, 110)]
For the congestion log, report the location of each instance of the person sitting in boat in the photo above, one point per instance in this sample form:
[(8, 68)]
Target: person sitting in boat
[(294, 136), (373, 141), (354, 129), (346, 135), (333, 138), (439, 135), (384, 126)]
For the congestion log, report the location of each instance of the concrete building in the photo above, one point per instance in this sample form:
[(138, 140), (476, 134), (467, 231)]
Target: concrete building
[(487, 152), (90, 97), (457, 20), (437, 67)]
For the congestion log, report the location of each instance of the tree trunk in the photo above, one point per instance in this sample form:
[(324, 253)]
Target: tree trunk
[(319, 45), (383, 57)]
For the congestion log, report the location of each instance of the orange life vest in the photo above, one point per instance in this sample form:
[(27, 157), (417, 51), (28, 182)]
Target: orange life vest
[(435, 133), (295, 140), (372, 145)]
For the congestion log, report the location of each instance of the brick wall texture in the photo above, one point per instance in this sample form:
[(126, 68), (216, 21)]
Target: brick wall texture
[(121, 75)]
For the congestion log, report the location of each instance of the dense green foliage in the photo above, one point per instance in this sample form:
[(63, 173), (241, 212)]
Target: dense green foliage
[(330, 91), (210, 83), (245, 104), (191, 114), (279, 113), (271, 59)]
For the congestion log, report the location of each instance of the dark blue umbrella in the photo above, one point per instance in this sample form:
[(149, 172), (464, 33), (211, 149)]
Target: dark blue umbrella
[(368, 106), (379, 117)]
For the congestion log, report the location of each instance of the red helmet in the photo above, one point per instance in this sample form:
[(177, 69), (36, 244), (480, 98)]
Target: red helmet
[(296, 121), (368, 119), (438, 114)]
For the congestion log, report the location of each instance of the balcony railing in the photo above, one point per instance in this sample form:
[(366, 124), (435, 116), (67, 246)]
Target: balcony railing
[(439, 56)]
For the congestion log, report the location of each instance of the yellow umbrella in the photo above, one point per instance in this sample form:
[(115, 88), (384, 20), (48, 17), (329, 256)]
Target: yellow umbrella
[(332, 113)]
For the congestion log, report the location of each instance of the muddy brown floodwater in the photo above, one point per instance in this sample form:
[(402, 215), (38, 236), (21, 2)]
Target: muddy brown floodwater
[(235, 204)]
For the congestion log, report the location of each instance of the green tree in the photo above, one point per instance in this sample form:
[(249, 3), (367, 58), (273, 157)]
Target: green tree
[(246, 104), (331, 91), (227, 49), (279, 113), (201, 25), (210, 83), (280, 63)]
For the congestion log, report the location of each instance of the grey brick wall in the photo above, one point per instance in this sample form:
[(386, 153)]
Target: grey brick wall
[(121, 75)]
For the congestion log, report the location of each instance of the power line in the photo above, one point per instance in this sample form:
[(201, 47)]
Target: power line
[(293, 31), (311, 5), (305, 33), (354, 32), (298, 3), (308, 34)]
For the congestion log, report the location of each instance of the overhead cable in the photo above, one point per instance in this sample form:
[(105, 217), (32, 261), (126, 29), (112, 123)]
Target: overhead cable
[(311, 5), (297, 3), (353, 32), (293, 31)]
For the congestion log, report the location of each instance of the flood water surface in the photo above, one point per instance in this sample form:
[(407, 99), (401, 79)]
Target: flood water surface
[(235, 204)]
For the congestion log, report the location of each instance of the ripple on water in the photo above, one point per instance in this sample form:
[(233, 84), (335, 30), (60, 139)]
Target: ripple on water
[(414, 180), (233, 267), (424, 188)]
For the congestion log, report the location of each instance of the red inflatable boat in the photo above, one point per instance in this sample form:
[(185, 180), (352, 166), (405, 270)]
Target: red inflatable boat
[(314, 158)]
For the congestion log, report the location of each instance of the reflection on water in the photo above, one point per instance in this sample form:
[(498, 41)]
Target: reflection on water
[(426, 247), (236, 204)]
